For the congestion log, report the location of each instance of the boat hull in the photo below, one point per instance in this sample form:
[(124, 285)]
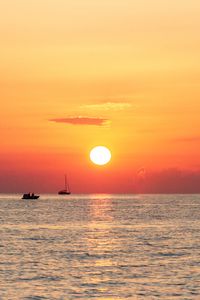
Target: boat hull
[(63, 193), (28, 197)]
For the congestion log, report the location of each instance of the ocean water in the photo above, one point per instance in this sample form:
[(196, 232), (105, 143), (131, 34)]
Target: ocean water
[(100, 247)]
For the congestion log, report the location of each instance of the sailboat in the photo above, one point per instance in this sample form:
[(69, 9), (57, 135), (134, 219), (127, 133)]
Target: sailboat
[(66, 190)]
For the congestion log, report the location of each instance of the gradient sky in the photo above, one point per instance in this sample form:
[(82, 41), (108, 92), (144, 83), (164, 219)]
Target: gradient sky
[(80, 73)]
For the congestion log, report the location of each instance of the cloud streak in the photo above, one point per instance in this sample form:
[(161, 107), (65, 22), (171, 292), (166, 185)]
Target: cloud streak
[(82, 121), (116, 106), (188, 139)]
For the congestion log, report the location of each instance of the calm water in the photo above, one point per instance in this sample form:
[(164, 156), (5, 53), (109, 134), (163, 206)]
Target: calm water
[(100, 247)]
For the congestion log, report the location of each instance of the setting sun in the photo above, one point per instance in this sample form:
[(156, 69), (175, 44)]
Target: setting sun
[(80, 74), (100, 155)]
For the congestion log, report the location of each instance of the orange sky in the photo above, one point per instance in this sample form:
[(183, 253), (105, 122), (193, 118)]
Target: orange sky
[(81, 73)]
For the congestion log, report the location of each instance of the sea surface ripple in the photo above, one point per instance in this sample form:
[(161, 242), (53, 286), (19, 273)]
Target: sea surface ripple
[(104, 247)]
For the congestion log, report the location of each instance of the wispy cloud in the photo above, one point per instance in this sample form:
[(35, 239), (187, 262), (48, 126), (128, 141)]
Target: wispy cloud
[(108, 106), (188, 139), (82, 121)]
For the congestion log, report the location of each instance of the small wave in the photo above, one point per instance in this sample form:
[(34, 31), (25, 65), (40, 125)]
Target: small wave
[(35, 298), (45, 278), (169, 254)]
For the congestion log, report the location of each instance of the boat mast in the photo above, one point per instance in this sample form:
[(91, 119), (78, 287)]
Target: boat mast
[(66, 184)]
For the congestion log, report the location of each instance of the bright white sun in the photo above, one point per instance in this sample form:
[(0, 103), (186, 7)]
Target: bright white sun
[(100, 155)]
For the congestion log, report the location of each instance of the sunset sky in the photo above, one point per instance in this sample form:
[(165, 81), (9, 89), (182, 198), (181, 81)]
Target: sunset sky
[(81, 73)]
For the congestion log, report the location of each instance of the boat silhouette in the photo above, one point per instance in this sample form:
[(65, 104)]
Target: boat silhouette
[(30, 196), (66, 190)]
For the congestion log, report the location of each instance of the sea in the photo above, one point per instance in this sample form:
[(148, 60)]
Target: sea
[(103, 246)]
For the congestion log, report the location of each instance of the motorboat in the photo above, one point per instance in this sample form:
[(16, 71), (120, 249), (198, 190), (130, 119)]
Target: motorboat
[(30, 196)]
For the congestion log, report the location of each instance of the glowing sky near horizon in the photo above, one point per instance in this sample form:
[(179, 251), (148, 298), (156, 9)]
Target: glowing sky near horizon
[(75, 74)]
